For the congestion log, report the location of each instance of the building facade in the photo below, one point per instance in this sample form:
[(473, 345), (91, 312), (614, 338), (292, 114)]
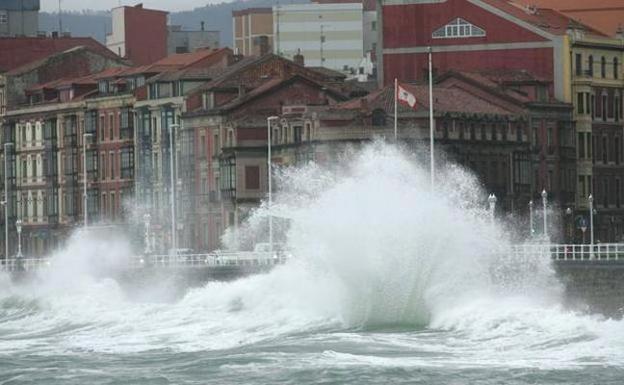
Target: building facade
[(19, 18), (184, 41), (328, 35), (253, 30), (138, 34)]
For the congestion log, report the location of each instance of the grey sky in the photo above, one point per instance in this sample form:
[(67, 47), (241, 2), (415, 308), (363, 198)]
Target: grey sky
[(167, 5)]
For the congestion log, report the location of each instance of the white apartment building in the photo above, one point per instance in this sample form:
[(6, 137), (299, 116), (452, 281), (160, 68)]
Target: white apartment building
[(328, 35)]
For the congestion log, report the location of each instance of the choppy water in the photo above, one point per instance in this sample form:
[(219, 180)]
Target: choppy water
[(390, 285)]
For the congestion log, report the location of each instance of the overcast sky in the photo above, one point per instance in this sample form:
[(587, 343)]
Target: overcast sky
[(167, 5)]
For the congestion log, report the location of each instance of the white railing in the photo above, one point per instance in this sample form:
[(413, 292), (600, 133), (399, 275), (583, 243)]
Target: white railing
[(607, 252)]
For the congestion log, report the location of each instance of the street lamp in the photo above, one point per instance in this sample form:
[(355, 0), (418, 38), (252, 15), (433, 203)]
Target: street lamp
[(492, 202), (18, 226), (591, 225), (85, 198), (270, 173), (545, 203), (172, 152), (531, 230), (147, 218), (570, 226), (5, 202)]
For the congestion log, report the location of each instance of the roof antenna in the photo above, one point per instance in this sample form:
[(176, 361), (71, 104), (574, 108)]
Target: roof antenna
[(60, 21)]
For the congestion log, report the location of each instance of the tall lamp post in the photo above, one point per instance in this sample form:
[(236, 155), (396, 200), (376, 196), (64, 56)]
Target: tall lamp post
[(570, 225), (531, 229), (18, 226), (174, 243), (270, 173), (6, 199), (591, 225), (492, 202), (85, 199), (147, 218), (545, 204)]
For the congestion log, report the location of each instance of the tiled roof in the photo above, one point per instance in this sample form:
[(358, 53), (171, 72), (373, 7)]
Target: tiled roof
[(446, 100), (19, 51), (605, 16), (549, 20), (185, 59)]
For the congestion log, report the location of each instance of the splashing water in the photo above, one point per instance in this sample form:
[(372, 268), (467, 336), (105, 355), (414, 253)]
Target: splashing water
[(391, 282)]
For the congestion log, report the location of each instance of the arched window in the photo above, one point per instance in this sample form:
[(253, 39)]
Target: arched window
[(616, 68), (603, 67), (379, 117)]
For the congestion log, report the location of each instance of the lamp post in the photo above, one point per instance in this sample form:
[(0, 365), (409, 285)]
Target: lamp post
[(570, 225), (147, 218), (492, 201), (531, 230), (18, 226), (85, 199), (591, 225), (5, 202), (545, 204), (270, 173), (174, 245)]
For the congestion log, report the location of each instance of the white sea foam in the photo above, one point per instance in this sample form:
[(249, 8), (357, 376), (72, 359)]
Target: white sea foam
[(375, 250)]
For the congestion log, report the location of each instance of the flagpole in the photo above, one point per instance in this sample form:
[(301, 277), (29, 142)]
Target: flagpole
[(396, 91), (430, 119)]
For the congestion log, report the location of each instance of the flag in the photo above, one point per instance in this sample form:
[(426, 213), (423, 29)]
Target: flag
[(406, 97)]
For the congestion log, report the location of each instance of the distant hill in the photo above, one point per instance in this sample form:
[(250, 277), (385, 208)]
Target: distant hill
[(216, 16)]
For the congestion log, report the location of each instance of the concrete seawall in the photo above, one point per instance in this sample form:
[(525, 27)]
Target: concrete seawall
[(593, 286)]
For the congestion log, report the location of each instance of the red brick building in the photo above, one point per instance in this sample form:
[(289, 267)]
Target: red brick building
[(138, 34), (471, 35)]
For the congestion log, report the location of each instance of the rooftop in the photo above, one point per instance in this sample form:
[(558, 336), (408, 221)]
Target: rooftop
[(19, 51)]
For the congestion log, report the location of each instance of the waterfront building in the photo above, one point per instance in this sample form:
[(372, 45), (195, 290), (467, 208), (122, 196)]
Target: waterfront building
[(226, 120), (157, 115)]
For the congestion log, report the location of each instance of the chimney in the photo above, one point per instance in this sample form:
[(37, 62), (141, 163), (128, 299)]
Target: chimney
[(140, 5), (203, 25), (298, 58), (364, 104), (237, 56), (260, 45)]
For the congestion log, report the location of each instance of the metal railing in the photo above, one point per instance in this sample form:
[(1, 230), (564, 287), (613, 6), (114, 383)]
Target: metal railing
[(559, 252)]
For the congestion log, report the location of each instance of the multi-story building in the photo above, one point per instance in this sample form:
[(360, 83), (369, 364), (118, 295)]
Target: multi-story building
[(185, 41), (157, 115), (253, 31), (598, 89), (138, 34), (226, 121), (328, 35), (19, 18)]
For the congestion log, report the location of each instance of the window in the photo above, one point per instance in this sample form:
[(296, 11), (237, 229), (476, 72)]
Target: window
[(581, 145), (580, 103), (579, 64), (618, 193), (604, 107), (603, 67), (616, 68), (605, 151), (112, 165), (127, 163), (593, 106), (252, 177), (590, 66), (4, 17), (458, 28), (111, 126), (616, 108), (379, 117), (373, 25), (616, 150), (605, 193), (102, 122), (216, 145)]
